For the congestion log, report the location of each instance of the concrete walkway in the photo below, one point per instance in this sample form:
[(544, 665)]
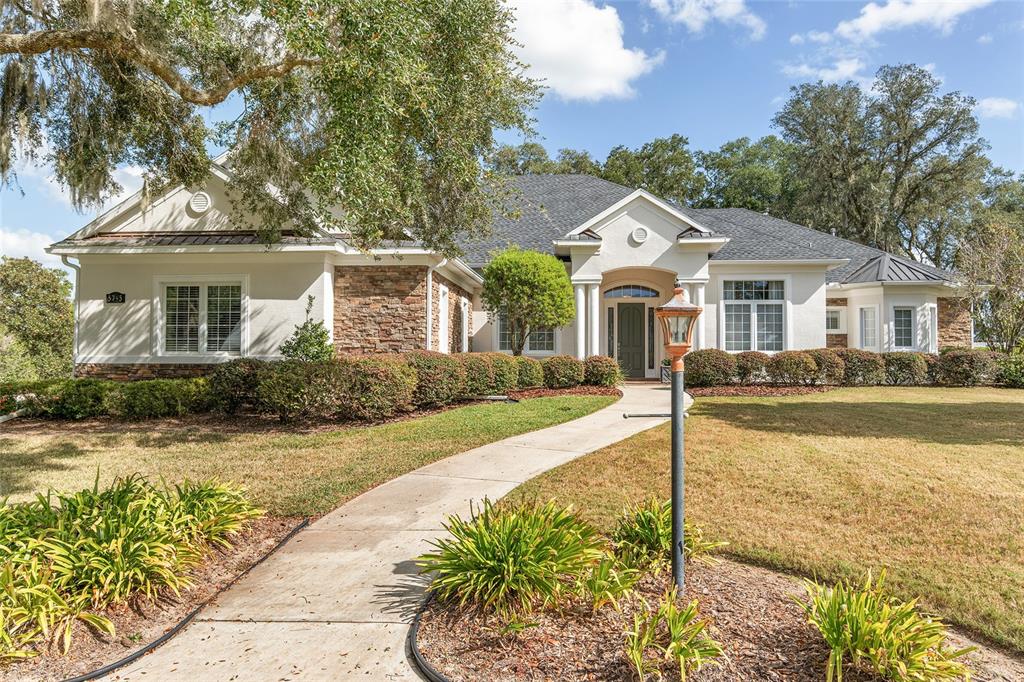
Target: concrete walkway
[(336, 602)]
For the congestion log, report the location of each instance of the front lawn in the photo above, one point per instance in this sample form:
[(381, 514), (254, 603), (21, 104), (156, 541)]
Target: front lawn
[(287, 472), (926, 482)]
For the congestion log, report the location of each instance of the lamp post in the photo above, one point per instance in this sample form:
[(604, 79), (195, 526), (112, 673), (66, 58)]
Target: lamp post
[(677, 319)]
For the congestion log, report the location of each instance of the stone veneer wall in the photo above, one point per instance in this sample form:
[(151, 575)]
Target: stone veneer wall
[(380, 308), (455, 296), (144, 370), (833, 340), (954, 324)]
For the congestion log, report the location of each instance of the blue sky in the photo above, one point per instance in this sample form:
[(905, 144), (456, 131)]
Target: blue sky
[(713, 70)]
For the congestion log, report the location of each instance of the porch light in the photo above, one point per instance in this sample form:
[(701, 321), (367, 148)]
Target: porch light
[(677, 319)]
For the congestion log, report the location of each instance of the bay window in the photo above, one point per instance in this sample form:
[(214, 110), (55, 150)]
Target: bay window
[(202, 318), (754, 315)]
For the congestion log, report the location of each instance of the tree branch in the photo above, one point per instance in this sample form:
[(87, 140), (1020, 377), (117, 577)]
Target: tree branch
[(39, 42)]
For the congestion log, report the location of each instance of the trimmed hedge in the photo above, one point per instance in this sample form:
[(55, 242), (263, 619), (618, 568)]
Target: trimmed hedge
[(829, 367), (791, 367), (709, 367), (905, 369), (371, 388), (234, 384), (562, 371), (863, 368), (966, 367), (601, 370), (295, 389), (531, 372), (73, 399), (506, 373), (479, 369), (158, 398), (440, 378), (1011, 370), (750, 366)]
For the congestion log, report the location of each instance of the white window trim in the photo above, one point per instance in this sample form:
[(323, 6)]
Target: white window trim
[(443, 320), (464, 316), (496, 341), (787, 310), (160, 282), (842, 319), (860, 329), (933, 328), (913, 328)]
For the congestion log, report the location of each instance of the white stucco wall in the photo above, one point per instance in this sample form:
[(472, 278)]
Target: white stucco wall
[(924, 301), (277, 287)]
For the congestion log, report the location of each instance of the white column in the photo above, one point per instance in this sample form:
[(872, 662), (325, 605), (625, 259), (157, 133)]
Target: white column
[(580, 293), (593, 319), (698, 299)]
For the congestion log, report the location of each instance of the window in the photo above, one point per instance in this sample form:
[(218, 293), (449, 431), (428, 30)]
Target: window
[(903, 327), (202, 318), (464, 325), (631, 291), (611, 332), (832, 320), (753, 321), (868, 328), (444, 314), (538, 341)]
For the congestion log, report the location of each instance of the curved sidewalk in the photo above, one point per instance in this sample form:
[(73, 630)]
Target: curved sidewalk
[(336, 602)]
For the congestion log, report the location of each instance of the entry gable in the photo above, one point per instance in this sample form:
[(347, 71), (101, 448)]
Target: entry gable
[(683, 223)]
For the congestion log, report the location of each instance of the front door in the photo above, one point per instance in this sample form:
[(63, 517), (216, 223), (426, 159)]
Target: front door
[(630, 351)]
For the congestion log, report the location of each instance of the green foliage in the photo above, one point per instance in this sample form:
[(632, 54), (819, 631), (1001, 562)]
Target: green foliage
[(292, 389), (310, 342), (709, 367), (362, 117), (440, 378), (562, 371), (234, 384), (157, 398), (506, 373), (35, 307), (665, 167), (531, 372), (750, 366), (863, 368), (479, 369), (966, 367), (641, 640), (530, 290), (677, 634), (905, 369), (792, 367), (755, 175), (74, 399), (1011, 370), (15, 361), (372, 388), (643, 536), (830, 368), (601, 370), (871, 630), (64, 557), (607, 582), (512, 558)]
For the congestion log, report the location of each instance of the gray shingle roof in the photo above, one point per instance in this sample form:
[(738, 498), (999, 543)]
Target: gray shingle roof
[(183, 239)]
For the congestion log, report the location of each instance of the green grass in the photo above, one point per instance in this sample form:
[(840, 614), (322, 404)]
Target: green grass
[(287, 473), (926, 482)]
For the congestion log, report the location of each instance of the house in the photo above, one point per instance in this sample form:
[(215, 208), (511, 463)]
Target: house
[(170, 290)]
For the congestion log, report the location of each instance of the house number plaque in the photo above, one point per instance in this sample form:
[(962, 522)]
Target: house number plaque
[(115, 297)]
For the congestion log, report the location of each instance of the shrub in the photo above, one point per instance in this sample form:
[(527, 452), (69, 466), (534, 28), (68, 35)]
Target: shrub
[(479, 373), (643, 536), (234, 384), (74, 398), (562, 371), (966, 367), (905, 369), (531, 372), (709, 367), (829, 367), (506, 373), (440, 378), (372, 388), (510, 559), (674, 633), (750, 366), (863, 368), (931, 361), (792, 367), (1011, 370), (310, 342), (158, 398), (293, 389), (607, 582), (601, 370), (880, 633)]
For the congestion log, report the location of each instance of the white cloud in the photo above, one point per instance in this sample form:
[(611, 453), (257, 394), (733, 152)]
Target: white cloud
[(42, 175), (985, 39), (25, 243), (813, 36), (842, 70), (796, 39), (577, 49), (696, 14), (997, 107), (877, 18)]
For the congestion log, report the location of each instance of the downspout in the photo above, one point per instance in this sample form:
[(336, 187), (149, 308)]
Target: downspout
[(78, 296), (430, 302)]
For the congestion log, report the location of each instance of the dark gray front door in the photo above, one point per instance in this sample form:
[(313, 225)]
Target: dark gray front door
[(631, 339)]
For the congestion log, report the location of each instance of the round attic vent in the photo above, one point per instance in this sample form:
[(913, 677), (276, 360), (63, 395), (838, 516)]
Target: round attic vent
[(199, 203), (640, 235)]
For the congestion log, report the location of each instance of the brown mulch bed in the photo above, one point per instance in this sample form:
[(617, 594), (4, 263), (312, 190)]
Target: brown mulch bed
[(555, 392), (757, 390), (141, 623), (750, 610)]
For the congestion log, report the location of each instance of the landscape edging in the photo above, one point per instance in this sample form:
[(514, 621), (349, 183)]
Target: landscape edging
[(428, 671)]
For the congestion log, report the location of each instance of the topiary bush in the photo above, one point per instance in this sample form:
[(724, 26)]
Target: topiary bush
[(601, 370), (372, 388), (905, 369), (1011, 370), (155, 398), (233, 384), (750, 366), (531, 372), (966, 367), (562, 371), (293, 389), (440, 378), (506, 373), (709, 367), (830, 368), (792, 367), (863, 368), (479, 369)]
